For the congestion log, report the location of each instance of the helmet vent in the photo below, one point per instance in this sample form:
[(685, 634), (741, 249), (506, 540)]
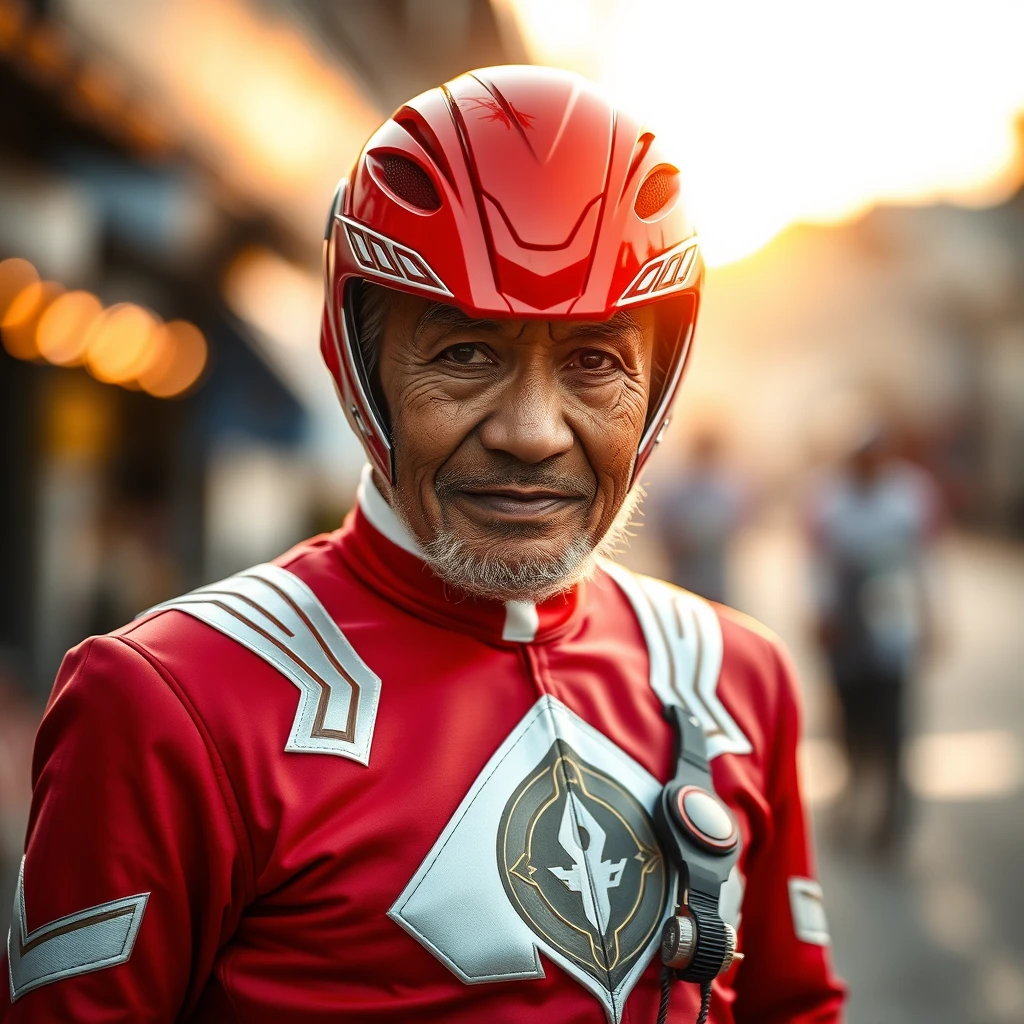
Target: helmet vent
[(408, 181), (660, 188)]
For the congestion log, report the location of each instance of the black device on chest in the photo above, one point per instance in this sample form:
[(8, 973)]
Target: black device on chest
[(701, 839)]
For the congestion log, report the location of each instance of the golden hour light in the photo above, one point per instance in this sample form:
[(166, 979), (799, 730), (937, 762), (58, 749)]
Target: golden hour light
[(272, 294), (179, 361), (62, 334), (119, 345), (46, 51), (21, 318), (260, 87), (13, 17), (802, 111), (97, 90)]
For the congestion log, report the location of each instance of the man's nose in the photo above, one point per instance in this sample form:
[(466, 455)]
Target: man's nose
[(528, 421)]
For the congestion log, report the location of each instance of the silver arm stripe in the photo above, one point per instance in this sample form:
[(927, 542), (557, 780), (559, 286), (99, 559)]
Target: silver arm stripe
[(101, 936)]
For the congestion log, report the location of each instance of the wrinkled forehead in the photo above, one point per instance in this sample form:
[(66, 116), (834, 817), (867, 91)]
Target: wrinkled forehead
[(439, 319)]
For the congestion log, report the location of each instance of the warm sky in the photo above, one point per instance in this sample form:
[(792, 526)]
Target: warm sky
[(804, 109)]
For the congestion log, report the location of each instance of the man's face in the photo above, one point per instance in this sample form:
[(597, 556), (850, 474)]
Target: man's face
[(514, 439)]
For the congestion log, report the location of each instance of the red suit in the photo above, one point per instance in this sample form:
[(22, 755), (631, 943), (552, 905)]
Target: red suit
[(328, 789)]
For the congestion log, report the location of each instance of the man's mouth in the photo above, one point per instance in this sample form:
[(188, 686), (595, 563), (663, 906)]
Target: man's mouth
[(518, 503)]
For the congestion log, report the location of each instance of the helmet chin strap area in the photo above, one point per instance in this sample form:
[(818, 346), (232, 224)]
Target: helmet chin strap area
[(701, 839)]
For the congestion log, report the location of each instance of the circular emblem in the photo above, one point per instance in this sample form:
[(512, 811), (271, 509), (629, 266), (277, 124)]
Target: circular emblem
[(580, 863)]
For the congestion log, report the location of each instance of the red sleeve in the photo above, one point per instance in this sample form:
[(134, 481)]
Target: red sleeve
[(787, 976), (133, 876)]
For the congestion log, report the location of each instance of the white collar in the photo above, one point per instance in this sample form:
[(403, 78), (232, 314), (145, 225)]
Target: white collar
[(382, 516), (521, 618)]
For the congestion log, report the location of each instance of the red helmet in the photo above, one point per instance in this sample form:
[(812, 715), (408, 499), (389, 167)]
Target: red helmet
[(513, 192)]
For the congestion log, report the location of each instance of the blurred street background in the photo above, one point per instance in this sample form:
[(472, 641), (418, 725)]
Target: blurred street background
[(857, 173)]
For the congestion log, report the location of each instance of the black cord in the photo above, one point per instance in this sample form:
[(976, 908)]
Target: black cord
[(705, 1002), (666, 992)]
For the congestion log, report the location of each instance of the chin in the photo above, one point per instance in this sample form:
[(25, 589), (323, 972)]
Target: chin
[(523, 550), (511, 569)]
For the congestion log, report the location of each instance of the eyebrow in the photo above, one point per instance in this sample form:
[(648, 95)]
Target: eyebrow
[(451, 318)]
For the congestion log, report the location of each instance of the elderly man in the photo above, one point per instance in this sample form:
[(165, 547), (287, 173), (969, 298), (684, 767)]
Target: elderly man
[(413, 770)]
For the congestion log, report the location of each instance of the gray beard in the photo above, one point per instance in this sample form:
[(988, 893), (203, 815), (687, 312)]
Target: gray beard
[(489, 577)]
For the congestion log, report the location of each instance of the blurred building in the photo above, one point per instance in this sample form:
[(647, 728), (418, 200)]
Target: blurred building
[(164, 172)]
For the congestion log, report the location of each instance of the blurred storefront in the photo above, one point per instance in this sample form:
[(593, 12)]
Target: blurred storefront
[(164, 168)]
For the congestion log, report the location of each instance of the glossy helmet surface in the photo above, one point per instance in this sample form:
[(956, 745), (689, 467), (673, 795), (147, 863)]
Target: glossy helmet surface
[(519, 192)]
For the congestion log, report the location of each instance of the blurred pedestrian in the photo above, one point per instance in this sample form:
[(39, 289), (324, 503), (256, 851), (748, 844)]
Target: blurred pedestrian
[(697, 516), (872, 522)]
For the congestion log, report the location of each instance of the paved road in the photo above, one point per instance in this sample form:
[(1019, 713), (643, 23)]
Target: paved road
[(938, 936)]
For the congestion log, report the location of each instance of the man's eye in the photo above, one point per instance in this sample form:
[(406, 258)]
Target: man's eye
[(464, 354), (593, 359)]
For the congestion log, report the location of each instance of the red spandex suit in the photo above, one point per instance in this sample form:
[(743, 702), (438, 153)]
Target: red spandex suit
[(329, 789)]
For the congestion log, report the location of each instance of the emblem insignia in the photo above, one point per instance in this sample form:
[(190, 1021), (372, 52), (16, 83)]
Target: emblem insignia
[(552, 849), (581, 865)]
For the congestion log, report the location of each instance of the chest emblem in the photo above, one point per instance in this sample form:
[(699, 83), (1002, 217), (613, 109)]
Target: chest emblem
[(580, 863), (551, 852)]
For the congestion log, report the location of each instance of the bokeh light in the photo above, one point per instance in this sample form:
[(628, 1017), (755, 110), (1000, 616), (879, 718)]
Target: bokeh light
[(63, 330), (46, 52), (179, 360), (22, 316), (118, 347), (12, 21), (15, 275), (125, 344)]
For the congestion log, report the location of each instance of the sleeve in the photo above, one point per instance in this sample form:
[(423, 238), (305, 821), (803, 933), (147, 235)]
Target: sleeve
[(786, 976), (132, 877)]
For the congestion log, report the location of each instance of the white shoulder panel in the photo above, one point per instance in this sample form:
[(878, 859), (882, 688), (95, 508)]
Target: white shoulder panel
[(98, 937), (275, 615), (684, 642)]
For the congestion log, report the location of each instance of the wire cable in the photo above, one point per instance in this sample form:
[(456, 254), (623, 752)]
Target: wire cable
[(667, 977), (666, 993), (705, 1002)]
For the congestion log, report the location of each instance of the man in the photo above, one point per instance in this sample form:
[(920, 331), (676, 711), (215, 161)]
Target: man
[(698, 513), (873, 522), (451, 820)]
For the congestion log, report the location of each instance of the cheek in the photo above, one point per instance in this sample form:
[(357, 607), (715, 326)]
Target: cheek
[(610, 432), (611, 427), (428, 426)]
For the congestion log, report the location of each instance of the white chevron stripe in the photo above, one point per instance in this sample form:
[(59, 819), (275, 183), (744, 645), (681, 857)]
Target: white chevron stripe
[(101, 936), (275, 615), (684, 643)]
